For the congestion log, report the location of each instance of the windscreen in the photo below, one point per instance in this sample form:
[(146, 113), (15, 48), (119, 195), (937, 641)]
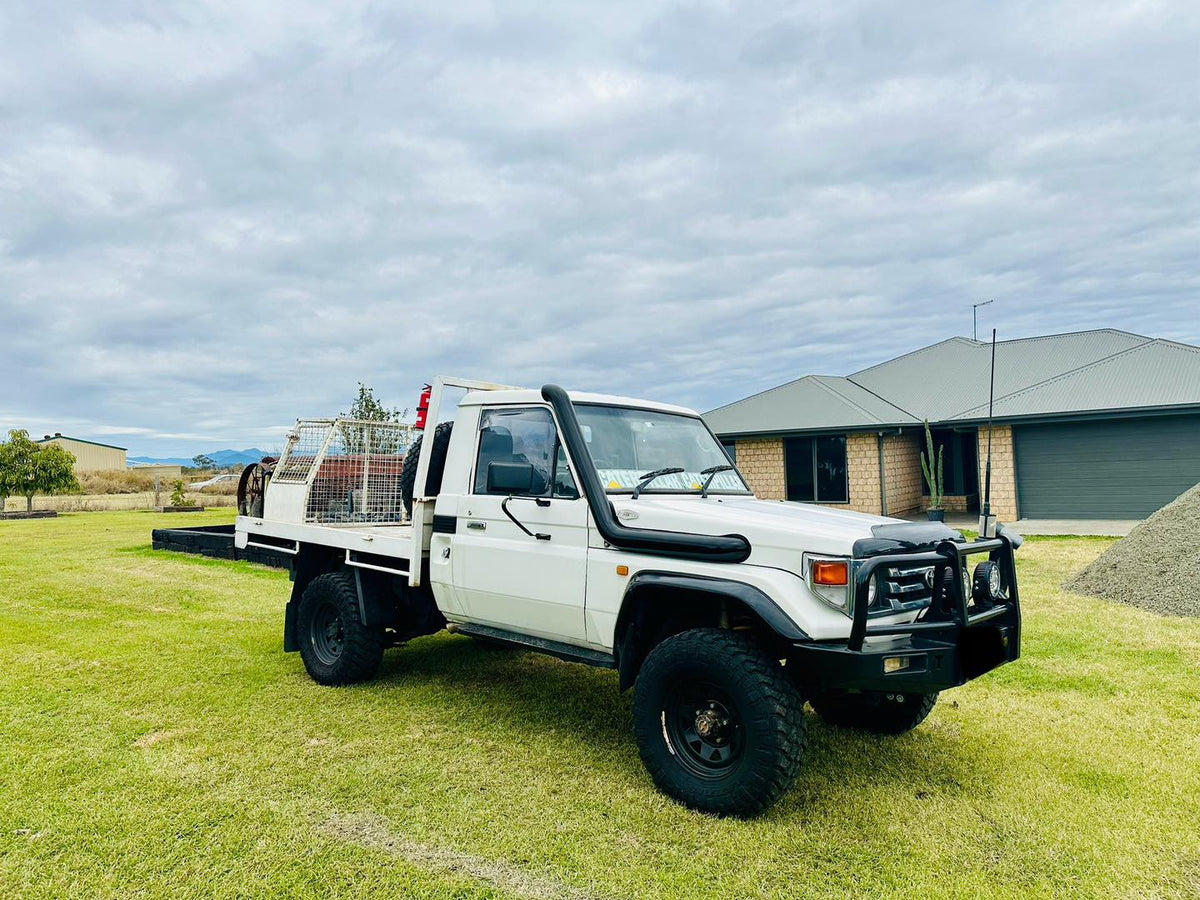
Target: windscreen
[(627, 444)]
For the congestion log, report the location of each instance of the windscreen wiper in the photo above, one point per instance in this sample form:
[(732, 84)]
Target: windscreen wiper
[(712, 472), (657, 473)]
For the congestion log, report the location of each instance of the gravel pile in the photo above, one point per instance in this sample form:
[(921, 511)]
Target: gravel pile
[(1156, 567)]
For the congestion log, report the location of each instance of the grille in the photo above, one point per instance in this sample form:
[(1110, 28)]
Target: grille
[(903, 588)]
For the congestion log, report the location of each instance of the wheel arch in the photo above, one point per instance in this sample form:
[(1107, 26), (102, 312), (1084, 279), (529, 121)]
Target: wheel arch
[(658, 604), (309, 563), (383, 599)]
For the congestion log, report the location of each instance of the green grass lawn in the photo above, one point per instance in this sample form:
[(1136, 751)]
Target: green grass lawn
[(155, 740)]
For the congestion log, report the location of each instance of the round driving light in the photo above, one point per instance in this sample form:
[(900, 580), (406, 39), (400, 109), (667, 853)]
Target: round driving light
[(987, 585)]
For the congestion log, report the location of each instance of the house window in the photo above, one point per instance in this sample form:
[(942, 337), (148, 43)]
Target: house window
[(730, 451), (816, 469)]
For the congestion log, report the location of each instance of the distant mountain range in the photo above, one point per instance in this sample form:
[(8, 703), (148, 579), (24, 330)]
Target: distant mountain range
[(223, 458)]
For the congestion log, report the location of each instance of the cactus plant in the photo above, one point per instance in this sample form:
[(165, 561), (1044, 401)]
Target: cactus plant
[(932, 470)]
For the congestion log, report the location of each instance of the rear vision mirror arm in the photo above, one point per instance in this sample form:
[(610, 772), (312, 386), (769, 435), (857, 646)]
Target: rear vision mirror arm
[(540, 501)]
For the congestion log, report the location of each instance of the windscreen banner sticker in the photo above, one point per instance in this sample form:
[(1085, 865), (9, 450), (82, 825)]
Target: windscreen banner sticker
[(627, 479)]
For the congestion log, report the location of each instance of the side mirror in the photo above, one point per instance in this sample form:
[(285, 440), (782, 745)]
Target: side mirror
[(509, 478)]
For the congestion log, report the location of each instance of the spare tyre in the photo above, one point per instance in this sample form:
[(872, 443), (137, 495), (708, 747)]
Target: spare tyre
[(437, 465)]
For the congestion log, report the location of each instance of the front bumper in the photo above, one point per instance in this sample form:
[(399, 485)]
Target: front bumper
[(950, 643)]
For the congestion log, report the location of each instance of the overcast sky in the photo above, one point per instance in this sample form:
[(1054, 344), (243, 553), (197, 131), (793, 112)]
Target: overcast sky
[(217, 217)]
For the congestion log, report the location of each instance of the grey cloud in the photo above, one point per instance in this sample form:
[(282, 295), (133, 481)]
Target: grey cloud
[(213, 219)]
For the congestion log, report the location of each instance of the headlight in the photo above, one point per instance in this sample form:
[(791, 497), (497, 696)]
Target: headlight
[(986, 583)]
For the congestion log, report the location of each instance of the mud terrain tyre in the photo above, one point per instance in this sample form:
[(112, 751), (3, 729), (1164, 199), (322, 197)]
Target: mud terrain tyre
[(875, 711), (336, 647), (719, 725), (437, 465)]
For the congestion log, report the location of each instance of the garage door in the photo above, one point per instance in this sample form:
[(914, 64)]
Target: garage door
[(1120, 469)]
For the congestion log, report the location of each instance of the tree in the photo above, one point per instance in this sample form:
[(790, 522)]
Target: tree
[(367, 408), (178, 497), (28, 468), (204, 462), (363, 439)]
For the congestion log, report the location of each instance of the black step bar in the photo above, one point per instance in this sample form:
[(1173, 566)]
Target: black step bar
[(569, 652)]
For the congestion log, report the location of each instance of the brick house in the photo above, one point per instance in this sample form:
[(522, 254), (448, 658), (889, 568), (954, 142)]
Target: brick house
[(1096, 424)]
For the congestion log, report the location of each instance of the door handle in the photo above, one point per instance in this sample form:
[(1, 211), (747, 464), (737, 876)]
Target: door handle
[(478, 526)]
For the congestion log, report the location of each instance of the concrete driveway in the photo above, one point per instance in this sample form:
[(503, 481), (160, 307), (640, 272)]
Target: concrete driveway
[(1073, 527), (1107, 527)]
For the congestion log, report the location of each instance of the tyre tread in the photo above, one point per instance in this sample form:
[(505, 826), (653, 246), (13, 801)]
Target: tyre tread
[(363, 647), (437, 465), (772, 774)]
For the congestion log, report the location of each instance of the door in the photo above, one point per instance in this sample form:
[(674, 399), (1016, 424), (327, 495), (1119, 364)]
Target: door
[(1118, 469), (520, 549)]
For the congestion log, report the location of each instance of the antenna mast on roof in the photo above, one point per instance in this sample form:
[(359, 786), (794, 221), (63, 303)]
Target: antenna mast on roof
[(975, 318), (987, 522)]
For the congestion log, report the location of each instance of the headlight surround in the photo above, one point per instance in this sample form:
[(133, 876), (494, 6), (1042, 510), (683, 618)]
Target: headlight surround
[(822, 572)]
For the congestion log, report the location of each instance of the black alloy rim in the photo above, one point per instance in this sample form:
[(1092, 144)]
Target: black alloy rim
[(328, 634), (705, 730)]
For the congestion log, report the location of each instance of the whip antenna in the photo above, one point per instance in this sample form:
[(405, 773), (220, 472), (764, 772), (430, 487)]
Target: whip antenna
[(987, 522)]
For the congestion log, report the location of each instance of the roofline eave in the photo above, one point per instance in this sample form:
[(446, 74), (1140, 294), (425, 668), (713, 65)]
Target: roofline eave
[(824, 430), (65, 437), (1081, 415), (1129, 412)]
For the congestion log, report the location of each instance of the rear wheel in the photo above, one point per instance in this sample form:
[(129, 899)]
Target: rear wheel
[(335, 645), (874, 711), (719, 726)]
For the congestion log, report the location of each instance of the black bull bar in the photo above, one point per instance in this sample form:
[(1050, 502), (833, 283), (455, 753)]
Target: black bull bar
[(947, 645)]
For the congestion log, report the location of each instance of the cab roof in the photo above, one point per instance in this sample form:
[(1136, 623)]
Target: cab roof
[(534, 397)]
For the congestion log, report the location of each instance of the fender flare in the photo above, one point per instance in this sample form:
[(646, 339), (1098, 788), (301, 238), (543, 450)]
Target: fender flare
[(630, 647), (313, 561)]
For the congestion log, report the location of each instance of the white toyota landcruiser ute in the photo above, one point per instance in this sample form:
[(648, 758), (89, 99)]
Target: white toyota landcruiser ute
[(617, 533)]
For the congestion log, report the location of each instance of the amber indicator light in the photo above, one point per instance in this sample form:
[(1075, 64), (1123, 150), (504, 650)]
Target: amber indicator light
[(831, 573)]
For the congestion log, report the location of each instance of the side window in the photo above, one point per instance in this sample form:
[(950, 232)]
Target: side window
[(516, 436), (564, 484)]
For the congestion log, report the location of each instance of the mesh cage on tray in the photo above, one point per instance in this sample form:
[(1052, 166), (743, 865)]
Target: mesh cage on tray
[(358, 478), (300, 455)]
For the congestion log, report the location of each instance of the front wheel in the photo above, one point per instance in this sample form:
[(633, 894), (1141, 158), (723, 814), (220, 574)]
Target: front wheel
[(335, 645), (875, 711), (719, 726)]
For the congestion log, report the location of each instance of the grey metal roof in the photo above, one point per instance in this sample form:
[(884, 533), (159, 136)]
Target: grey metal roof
[(1153, 375), (1060, 374), (941, 381), (811, 403)]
